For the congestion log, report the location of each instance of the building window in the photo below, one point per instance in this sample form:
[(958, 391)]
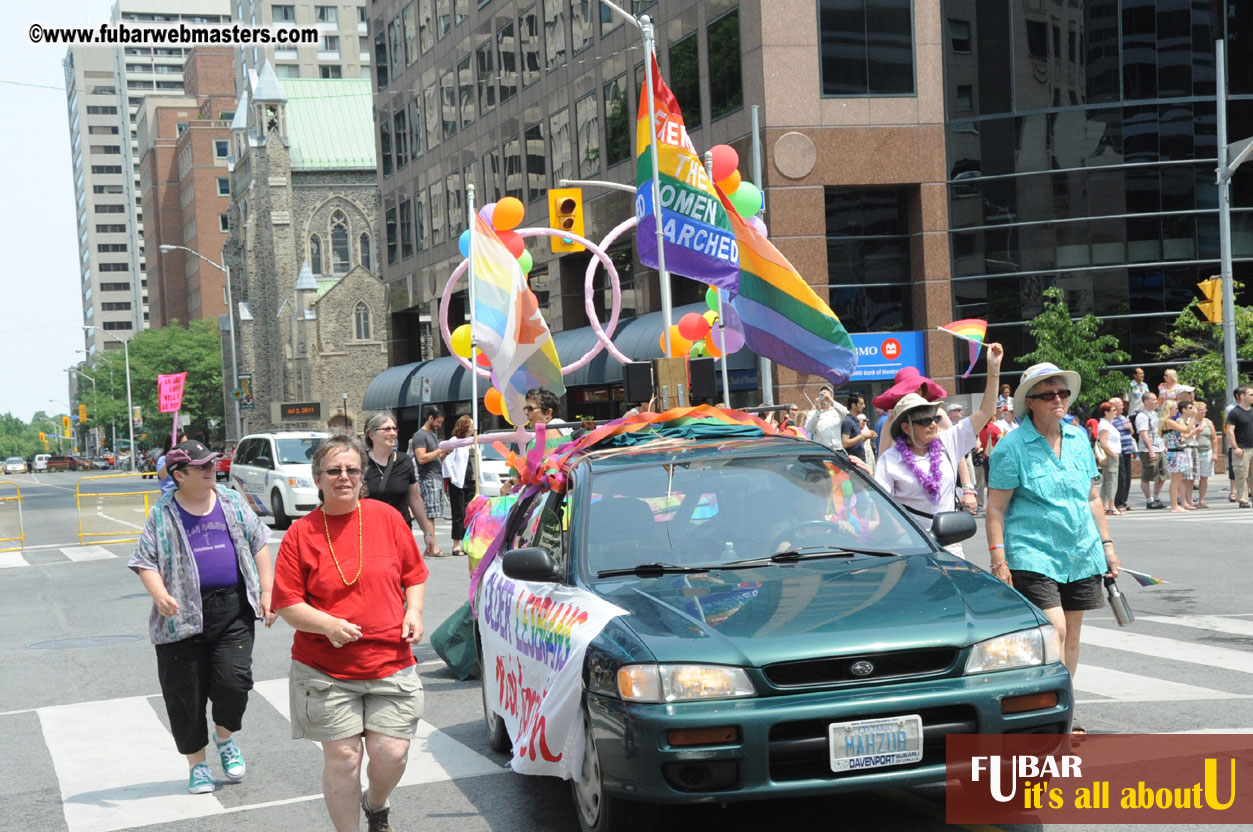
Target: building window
[(430, 101), (394, 49), (456, 205), (581, 24), (224, 223), (491, 177), (438, 205), (554, 34), (528, 28), (406, 230), (341, 255), (390, 230), (361, 321), (726, 84), (617, 130), (221, 148), (486, 77), (867, 47), (364, 243), (409, 23), (426, 25), (685, 79), (443, 16), (400, 133), (587, 128), (536, 162), (868, 257), (385, 144), (380, 58), (448, 104), (287, 70), (315, 254), (465, 90), (117, 325), (283, 14), (559, 135), (331, 71), (330, 43), (507, 44), (326, 14), (419, 219), (224, 186), (959, 35)]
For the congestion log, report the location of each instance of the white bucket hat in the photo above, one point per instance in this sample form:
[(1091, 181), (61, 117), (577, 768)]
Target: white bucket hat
[(908, 402), (1037, 373)]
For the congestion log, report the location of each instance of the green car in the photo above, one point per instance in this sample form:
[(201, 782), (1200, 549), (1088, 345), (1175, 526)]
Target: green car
[(790, 630)]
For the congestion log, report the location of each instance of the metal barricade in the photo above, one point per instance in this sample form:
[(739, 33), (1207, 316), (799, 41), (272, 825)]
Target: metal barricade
[(11, 529), (112, 516)]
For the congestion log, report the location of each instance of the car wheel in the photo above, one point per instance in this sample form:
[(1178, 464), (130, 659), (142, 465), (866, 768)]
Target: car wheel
[(497, 733), (597, 811), (281, 520)]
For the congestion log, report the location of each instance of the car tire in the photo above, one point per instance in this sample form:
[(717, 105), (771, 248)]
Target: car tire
[(497, 733), (281, 520), (597, 811)]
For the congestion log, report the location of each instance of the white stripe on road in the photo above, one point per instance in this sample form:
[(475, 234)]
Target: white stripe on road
[(109, 783), (80, 553), (1168, 648), (1118, 686), (123, 522), (1213, 623), (8, 560)]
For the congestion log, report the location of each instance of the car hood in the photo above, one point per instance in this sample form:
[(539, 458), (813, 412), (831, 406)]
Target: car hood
[(836, 606)]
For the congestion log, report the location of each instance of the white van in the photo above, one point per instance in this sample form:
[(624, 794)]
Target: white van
[(41, 462), (274, 473)]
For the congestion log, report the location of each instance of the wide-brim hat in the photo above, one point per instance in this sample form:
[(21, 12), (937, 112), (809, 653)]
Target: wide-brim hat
[(908, 402), (908, 380), (1037, 373)]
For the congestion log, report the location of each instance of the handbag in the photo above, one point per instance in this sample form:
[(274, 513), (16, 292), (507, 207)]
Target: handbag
[(454, 643), (1101, 455)]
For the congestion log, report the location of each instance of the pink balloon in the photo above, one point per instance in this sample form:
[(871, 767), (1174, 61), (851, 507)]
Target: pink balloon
[(758, 225), (486, 212), (734, 339), (725, 159)]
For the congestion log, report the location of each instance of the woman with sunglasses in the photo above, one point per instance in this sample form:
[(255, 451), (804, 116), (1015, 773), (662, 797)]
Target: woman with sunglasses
[(351, 581), (1046, 525), (919, 468), (391, 478)]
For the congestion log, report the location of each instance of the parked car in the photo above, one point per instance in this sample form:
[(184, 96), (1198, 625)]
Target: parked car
[(62, 462), (778, 603), (15, 465), (495, 471), (40, 463), (274, 473), (223, 466)]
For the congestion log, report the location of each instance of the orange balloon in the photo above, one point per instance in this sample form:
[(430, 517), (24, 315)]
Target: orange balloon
[(731, 183), (678, 344), (711, 349), (508, 213), (494, 402)]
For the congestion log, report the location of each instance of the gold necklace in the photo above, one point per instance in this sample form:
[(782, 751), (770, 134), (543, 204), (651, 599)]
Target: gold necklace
[(360, 546)]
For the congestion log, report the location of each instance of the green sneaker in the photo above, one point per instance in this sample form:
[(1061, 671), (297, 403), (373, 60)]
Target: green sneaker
[(201, 781), (232, 759)]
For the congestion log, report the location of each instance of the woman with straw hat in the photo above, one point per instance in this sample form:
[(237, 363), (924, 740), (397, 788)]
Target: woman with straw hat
[(919, 468), (1046, 523)]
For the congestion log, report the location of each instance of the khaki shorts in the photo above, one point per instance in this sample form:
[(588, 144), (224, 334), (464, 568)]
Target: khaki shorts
[(325, 709)]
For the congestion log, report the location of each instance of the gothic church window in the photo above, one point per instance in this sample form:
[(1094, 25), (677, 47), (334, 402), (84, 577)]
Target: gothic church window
[(361, 319)]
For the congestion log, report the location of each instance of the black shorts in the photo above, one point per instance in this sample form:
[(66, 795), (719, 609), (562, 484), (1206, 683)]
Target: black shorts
[(1046, 593)]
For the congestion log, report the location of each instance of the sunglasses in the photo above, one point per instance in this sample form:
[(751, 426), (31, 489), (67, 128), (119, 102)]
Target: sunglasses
[(925, 421), (335, 472), (1050, 395)]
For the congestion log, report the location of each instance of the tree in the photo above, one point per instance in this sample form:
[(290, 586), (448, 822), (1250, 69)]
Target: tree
[(1197, 346), (1077, 345)]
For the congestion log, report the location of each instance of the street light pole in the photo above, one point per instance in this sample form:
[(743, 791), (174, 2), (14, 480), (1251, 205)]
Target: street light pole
[(130, 408), (230, 317), (93, 396), (1226, 169)]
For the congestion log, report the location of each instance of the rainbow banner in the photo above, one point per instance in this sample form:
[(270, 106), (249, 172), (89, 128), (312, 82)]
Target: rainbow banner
[(972, 331), (699, 241), (508, 325), (1144, 579), (782, 318)]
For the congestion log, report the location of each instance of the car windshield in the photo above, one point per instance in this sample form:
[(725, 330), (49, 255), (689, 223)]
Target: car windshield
[(14, 460), (718, 510), (488, 452), (298, 451)]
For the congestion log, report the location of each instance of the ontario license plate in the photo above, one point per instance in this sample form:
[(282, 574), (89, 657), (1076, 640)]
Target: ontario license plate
[(875, 743)]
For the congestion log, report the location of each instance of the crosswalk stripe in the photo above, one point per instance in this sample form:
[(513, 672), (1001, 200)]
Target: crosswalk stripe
[(1118, 686), (8, 560), (80, 553), (107, 784), (1213, 623), (1169, 648)]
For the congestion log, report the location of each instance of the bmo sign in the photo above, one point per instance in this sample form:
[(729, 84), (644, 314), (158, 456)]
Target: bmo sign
[(881, 354)]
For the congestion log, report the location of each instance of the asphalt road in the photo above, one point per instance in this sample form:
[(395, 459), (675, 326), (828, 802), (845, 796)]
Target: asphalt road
[(86, 747)]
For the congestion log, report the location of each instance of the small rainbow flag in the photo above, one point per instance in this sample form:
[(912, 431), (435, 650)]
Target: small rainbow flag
[(971, 330), (1142, 578)]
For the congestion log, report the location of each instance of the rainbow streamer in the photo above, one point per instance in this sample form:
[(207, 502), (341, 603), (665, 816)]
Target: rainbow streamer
[(971, 330), (1142, 578)]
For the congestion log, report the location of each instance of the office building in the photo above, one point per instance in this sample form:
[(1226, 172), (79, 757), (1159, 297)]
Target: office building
[(343, 52)]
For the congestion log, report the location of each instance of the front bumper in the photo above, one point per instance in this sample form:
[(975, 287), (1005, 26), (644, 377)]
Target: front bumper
[(783, 747)]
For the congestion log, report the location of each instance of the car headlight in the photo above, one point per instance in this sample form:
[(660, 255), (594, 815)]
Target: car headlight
[(299, 482), (1025, 648), (682, 682)]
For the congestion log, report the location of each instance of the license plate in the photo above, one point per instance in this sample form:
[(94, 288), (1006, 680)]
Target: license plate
[(875, 743)]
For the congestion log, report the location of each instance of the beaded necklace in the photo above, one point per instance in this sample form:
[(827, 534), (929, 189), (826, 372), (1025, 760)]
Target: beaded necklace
[(360, 546)]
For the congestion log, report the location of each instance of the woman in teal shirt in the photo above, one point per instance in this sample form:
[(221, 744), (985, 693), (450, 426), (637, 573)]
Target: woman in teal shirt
[(1046, 522)]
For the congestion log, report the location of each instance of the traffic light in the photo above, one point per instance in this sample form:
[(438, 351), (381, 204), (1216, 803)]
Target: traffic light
[(43, 437), (565, 213), (65, 426), (1212, 306), (82, 412)]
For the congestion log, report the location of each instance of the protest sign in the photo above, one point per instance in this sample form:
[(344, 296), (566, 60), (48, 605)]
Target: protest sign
[(170, 392)]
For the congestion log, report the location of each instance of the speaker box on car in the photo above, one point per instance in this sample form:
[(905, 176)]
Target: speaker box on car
[(702, 377), (637, 380)]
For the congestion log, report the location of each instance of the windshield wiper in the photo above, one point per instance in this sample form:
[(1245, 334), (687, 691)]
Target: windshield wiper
[(653, 570), (805, 553)]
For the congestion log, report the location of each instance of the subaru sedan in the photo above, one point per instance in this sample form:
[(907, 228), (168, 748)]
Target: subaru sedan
[(790, 631)]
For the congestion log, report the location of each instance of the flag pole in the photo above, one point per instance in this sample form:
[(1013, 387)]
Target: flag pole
[(765, 366), (667, 315), (721, 323), (474, 348)]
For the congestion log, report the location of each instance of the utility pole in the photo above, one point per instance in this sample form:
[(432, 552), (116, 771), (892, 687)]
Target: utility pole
[(1230, 157)]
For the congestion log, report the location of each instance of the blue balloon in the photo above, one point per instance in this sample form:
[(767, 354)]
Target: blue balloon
[(463, 243)]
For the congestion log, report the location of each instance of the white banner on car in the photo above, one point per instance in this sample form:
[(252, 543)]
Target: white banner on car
[(534, 638)]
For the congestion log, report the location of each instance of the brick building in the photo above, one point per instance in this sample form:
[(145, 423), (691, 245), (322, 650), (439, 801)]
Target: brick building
[(310, 316)]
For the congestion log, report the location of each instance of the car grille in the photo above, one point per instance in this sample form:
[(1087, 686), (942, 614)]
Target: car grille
[(838, 669), (802, 750)]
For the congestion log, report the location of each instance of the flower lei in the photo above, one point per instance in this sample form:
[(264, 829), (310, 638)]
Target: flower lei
[(931, 480)]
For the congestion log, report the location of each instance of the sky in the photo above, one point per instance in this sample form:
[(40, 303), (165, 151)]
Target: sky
[(41, 313)]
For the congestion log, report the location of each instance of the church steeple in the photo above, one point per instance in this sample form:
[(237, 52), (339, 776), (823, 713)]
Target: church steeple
[(269, 104)]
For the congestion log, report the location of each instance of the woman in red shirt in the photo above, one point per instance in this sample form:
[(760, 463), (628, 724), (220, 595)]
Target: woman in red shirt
[(350, 580)]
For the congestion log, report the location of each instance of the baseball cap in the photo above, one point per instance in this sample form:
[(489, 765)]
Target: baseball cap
[(955, 406), (191, 453)]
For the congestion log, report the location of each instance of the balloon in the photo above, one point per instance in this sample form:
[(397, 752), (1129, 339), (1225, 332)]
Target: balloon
[(463, 243), (494, 402), (757, 224), (698, 350), (731, 184), (746, 199), (483, 360), (678, 344), (513, 242), (509, 212), (526, 261), (725, 161), (711, 349), (461, 340), (711, 299), (486, 212), (711, 316), (693, 327), (734, 339)]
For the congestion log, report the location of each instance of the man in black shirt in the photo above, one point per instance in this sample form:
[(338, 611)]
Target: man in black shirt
[(1239, 433), (851, 431)]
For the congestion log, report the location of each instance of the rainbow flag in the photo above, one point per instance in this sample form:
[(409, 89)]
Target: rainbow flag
[(782, 318), (699, 241), (971, 330), (508, 325), (1143, 579)]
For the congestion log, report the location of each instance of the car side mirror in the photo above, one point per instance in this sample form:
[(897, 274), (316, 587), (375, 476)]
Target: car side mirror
[(952, 527), (531, 565)]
